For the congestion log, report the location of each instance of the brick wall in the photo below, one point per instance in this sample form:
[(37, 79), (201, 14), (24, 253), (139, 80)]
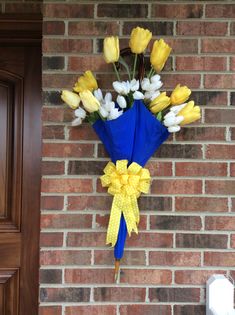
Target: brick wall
[(187, 229), (20, 6)]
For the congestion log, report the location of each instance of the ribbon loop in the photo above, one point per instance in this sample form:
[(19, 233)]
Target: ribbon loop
[(125, 183)]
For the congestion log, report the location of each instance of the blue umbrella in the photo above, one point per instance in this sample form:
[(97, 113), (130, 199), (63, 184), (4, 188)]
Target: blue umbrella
[(134, 136)]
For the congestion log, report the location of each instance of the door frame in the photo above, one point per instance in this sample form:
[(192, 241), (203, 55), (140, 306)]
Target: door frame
[(26, 30)]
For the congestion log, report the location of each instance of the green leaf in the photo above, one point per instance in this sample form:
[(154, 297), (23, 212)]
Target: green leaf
[(125, 65), (159, 116)]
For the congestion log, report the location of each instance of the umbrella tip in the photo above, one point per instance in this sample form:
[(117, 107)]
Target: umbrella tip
[(117, 270)]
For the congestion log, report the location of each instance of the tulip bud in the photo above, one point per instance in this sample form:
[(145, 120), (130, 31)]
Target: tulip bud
[(137, 95), (86, 82), (173, 129), (159, 54), (180, 95), (70, 98), (80, 112), (111, 49), (159, 103), (90, 103), (190, 113), (121, 101), (76, 122), (139, 40)]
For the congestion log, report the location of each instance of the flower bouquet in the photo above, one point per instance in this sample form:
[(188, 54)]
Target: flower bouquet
[(131, 127)]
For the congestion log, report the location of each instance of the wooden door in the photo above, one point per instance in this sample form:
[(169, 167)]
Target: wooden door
[(20, 150)]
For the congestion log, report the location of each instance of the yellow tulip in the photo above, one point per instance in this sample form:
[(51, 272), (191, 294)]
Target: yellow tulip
[(159, 54), (111, 49), (180, 95), (90, 103), (70, 98), (190, 113), (139, 40), (159, 103), (86, 82)]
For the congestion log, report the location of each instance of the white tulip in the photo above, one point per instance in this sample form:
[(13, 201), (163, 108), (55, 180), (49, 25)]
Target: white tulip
[(138, 95), (121, 101), (170, 121), (174, 128), (114, 113), (155, 86), (98, 94), (76, 122), (134, 84), (103, 112), (170, 114), (126, 87), (154, 95), (176, 109), (80, 113), (118, 87), (145, 83), (155, 78), (108, 97)]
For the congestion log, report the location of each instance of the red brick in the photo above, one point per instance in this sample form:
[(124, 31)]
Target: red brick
[(55, 115), (91, 310), (53, 28), (194, 277), (189, 309), (133, 257), (52, 202), (60, 10), (232, 169), (170, 81), (65, 257), (50, 310), (232, 241), (92, 276), (84, 132), (232, 63), (52, 168), (177, 11), (54, 239), (176, 186), (220, 116), (117, 10), (175, 222), (156, 27), (199, 204), (80, 63), (95, 28), (220, 11), (66, 221), (201, 28), (157, 240), (65, 294), (50, 276), (54, 45), (223, 259), (220, 223), (119, 294), (215, 98), (220, 151), (147, 309), (211, 45), (86, 239), (220, 81), (89, 203), (68, 150), (146, 276), (159, 168), (201, 63), (189, 240), (189, 259), (174, 294), (59, 81), (53, 132), (67, 185), (201, 133), (25, 8), (183, 45), (220, 187), (200, 169)]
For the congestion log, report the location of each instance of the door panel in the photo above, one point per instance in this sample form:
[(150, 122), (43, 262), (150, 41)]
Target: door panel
[(20, 155)]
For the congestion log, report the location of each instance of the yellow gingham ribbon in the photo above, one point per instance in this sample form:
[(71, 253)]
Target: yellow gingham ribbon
[(125, 184)]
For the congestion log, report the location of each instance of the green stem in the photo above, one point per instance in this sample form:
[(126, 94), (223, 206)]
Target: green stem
[(135, 62), (116, 71), (150, 73)]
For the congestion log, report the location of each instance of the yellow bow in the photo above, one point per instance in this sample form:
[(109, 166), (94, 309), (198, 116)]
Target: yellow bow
[(126, 184)]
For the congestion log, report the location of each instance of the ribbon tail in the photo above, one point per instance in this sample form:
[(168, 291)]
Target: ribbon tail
[(114, 220), (129, 215)]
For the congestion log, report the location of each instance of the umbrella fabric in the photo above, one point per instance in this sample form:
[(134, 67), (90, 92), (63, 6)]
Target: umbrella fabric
[(134, 136)]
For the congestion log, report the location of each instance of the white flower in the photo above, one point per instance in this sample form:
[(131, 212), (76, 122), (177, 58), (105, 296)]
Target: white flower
[(155, 86), (122, 88), (103, 112), (134, 85), (151, 95), (114, 113), (98, 94), (145, 84), (77, 121), (108, 106), (108, 97), (174, 129), (176, 109), (172, 120), (155, 78), (138, 95), (121, 101), (80, 113)]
